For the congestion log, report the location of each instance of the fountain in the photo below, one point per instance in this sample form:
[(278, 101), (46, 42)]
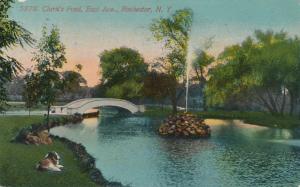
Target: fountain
[(186, 124), (188, 68)]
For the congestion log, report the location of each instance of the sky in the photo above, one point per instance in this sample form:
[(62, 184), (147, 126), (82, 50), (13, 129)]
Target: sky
[(111, 25)]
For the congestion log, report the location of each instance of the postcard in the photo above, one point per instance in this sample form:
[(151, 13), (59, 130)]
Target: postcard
[(149, 93)]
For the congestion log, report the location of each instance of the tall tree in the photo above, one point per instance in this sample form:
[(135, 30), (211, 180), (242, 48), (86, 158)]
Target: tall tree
[(129, 89), (122, 70), (31, 90), (159, 86), (73, 80), (15, 87), (266, 69), (174, 33), (11, 35), (50, 57), (200, 66), (293, 74)]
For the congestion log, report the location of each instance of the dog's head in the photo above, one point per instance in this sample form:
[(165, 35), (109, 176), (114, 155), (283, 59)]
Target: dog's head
[(53, 156)]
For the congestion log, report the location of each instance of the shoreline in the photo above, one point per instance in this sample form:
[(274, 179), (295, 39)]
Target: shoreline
[(254, 118), (86, 161)]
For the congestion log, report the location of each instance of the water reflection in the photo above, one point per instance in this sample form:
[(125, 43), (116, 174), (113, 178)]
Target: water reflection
[(129, 150)]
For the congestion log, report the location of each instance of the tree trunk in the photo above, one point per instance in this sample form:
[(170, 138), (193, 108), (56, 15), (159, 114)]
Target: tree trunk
[(202, 85), (283, 102), (174, 103), (204, 104), (47, 119), (292, 104), (272, 102), (265, 104), (29, 111)]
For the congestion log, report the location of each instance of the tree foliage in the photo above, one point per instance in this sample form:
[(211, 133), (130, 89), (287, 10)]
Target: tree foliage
[(122, 64), (200, 64), (11, 35), (159, 86), (123, 70), (50, 57), (174, 33), (73, 81), (264, 68), (127, 90), (31, 90)]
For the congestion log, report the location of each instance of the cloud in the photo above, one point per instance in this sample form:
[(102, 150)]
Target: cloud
[(22, 1)]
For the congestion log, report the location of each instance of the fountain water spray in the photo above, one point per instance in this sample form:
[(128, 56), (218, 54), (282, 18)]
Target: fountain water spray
[(188, 68)]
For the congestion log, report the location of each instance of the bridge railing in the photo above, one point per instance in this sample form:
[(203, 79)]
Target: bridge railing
[(75, 106), (58, 109), (102, 99)]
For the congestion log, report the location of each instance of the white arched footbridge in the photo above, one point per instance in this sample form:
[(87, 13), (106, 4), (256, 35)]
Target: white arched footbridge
[(82, 105)]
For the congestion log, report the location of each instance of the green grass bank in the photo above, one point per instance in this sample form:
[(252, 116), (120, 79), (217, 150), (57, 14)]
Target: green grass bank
[(257, 118), (17, 161)]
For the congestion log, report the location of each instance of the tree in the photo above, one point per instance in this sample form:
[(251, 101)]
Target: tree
[(200, 65), (266, 69), (123, 70), (159, 86), (74, 84), (11, 35), (129, 89), (293, 74), (15, 86), (73, 80), (98, 91), (50, 57), (174, 33), (31, 90), (78, 67)]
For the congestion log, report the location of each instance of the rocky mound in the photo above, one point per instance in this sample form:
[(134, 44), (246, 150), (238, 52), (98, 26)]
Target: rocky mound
[(184, 125), (38, 138), (37, 133)]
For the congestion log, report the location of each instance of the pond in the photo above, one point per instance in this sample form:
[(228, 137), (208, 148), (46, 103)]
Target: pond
[(129, 150)]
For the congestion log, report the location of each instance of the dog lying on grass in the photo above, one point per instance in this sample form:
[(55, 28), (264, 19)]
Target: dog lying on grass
[(50, 162)]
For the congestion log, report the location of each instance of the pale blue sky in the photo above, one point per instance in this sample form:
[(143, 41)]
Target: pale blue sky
[(86, 35)]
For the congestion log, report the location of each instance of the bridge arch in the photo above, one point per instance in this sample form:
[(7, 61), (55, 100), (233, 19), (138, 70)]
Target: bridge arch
[(82, 105)]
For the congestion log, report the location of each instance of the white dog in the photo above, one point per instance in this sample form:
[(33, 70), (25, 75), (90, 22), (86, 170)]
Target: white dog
[(50, 162)]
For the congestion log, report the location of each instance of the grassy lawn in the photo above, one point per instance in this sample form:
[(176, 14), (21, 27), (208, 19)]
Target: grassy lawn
[(257, 118), (157, 111), (17, 161), (15, 106)]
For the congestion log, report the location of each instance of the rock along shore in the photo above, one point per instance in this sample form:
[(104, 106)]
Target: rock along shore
[(37, 133), (87, 163)]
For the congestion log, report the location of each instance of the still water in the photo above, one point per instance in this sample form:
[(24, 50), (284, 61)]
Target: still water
[(128, 150)]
